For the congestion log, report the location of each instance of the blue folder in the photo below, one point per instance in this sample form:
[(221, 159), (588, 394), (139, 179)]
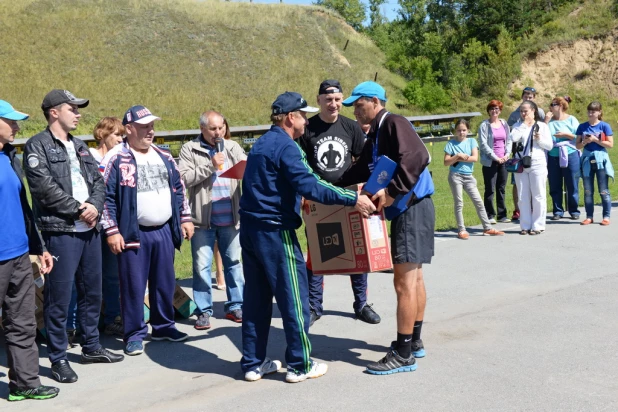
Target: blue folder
[(382, 175)]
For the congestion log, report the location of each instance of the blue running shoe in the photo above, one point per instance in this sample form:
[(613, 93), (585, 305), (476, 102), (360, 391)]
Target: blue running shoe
[(134, 347), (418, 350), (392, 363)]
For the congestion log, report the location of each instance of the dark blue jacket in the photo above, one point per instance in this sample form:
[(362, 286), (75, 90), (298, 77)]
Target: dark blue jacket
[(276, 176), (120, 210)]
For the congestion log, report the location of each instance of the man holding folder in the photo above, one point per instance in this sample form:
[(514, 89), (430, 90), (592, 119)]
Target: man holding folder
[(407, 198)]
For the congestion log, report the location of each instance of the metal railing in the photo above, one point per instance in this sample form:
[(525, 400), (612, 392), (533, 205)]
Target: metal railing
[(432, 128)]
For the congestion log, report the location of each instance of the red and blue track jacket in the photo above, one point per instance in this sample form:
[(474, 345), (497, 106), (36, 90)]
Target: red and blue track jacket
[(120, 211)]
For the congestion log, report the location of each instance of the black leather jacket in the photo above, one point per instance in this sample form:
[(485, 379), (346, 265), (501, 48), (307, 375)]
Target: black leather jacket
[(48, 172), (35, 243)]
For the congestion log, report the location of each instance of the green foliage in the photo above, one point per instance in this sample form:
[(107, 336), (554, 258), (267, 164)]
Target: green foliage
[(427, 96), (352, 11)]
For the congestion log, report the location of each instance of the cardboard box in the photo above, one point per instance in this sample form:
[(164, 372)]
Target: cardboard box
[(146, 306), (38, 314), (39, 280), (341, 241), (183, 303)]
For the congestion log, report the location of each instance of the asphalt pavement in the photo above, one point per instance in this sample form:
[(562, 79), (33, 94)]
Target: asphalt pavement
[(513, 323)]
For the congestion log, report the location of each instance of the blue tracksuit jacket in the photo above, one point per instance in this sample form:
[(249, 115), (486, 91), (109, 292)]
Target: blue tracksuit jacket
[(276, 176)]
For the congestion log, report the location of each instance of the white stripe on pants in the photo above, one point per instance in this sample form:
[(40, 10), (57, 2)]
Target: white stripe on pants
[(532, 196), (457, 182)]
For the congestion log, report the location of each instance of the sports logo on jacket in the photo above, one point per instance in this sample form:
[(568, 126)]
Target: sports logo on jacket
[(127, 171)]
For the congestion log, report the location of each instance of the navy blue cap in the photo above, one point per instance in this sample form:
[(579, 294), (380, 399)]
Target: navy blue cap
[(289, 102), (138, 114)]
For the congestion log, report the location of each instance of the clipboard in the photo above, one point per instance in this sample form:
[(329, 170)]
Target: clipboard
[(235, 172)]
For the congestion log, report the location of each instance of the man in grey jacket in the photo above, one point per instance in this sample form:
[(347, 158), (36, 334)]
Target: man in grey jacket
[(214, 205)]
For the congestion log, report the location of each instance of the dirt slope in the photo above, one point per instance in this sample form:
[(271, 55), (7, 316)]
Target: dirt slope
[(587, 64)]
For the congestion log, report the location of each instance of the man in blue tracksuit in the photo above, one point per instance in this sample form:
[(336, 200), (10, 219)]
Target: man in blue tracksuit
[(146, 215), (276, 176)]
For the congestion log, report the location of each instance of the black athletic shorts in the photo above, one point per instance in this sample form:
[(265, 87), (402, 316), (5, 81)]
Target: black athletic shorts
[(412, 233)]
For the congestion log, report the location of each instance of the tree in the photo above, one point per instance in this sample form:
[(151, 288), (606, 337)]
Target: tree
[(352, 11)]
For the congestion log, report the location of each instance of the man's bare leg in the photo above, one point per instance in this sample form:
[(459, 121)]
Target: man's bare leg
[(405, 280)]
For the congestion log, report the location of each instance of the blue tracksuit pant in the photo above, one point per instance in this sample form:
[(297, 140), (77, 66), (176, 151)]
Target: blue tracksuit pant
[(274, 266), (153, 262), (316, 291)]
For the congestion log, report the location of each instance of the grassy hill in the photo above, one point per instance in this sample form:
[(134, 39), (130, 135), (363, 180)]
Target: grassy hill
[(177, 57)]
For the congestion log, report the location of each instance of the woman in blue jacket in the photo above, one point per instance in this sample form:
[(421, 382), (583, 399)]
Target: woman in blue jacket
[(595, 137)]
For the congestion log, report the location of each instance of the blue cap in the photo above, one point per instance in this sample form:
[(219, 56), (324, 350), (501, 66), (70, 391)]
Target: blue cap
[(7, 112), (366, 89), (289, 102), (138, 114)]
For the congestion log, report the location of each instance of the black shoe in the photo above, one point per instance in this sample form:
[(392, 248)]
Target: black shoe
[(313, 316), (556, 217), (41, 392), (100, 355), (367, 314), (392, 363), (62, 372)]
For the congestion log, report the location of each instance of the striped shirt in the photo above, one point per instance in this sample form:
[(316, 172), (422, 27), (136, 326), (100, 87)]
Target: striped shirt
[(221, 212)]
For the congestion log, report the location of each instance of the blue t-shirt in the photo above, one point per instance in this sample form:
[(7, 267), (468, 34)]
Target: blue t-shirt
[(453, 147), (586, 128), (13, 237), (569, 125)]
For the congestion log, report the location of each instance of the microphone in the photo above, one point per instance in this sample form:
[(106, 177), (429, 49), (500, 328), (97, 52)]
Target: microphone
[(219, 147)]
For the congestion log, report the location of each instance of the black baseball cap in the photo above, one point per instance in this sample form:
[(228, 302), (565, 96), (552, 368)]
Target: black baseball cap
[(329, 84), (58, 96), (289, 102)]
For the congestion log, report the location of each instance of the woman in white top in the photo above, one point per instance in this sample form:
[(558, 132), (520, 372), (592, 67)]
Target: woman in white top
[(531, 182), (108, 133)]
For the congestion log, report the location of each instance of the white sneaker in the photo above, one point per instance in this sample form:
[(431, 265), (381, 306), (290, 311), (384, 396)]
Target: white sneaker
[(317, 370), (492, 221), (267, 367)]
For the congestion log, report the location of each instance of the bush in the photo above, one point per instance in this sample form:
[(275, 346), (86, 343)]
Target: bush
[(428, 96)]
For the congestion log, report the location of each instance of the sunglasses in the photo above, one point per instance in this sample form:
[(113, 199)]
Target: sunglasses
[(555, 104), (530, 89)]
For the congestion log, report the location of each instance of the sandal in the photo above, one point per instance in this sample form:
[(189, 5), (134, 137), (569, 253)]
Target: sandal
[(605, 222), (463, 235), (524, 232), (586, 221), (534, 232)]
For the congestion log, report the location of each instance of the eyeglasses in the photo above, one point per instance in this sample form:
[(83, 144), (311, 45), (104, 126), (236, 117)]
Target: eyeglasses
[(554, 104), (530, 89)]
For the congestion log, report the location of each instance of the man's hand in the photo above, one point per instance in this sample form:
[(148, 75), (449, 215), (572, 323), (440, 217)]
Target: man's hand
[(47, 263), (187, 230), (218, 160), (116, 243), (383, 198), (89, 214), (364, 205)]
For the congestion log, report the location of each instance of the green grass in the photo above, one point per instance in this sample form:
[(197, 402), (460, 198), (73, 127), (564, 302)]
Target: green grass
[(443, 202), (178, 57)]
